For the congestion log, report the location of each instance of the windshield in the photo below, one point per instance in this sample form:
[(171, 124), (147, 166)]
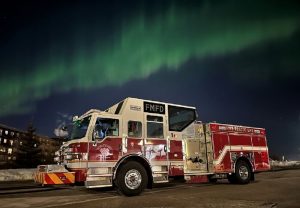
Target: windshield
[(79, 128)]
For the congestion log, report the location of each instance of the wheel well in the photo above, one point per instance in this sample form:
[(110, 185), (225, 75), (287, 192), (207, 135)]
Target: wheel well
[(245, 160), (140, 160)]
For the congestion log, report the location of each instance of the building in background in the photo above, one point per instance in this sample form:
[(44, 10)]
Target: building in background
[(25, 149)]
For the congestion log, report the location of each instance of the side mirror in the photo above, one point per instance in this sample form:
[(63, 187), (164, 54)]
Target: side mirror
[(94, 136), (75, 118), (61, 132), (64, 128)]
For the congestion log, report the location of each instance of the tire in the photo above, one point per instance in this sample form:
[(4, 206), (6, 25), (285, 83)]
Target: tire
[(131, 178), (242, 172)]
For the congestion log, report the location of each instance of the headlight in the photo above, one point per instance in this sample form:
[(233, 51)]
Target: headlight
[(73, 156), (69, 157), (69, 150)]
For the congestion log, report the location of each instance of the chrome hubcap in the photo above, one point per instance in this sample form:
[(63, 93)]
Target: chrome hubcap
[(243, 172), (133, 179)]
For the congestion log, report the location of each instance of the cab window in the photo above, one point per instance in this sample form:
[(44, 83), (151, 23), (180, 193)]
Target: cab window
[(155, 127), (106, 127), (135, 129), (180, 117)]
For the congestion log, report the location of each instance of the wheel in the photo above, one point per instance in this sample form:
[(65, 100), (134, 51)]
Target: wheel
[(131, 178), (242, 172)]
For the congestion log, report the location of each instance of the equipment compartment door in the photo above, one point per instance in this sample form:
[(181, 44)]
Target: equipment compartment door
[(195, 151), (261, 155), (222, 162)]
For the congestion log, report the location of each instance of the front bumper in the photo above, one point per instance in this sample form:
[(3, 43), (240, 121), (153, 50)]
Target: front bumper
[(53, 174)]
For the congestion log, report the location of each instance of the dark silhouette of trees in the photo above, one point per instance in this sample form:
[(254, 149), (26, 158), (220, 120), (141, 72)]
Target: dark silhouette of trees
[(29, 153)]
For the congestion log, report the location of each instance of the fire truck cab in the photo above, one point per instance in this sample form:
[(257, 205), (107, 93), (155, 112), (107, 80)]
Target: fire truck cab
[(137, 142)]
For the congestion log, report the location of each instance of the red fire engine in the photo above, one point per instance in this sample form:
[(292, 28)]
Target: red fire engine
[(136, 143)]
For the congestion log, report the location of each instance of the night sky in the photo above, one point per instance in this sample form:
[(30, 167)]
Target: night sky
[(236, 61)]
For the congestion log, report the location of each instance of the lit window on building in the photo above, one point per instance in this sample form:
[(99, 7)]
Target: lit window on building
[(9, 158), (12, 133), (9, 151), (4, 141), (34, 145), (6, 132), (2, 158), (11, 142), (21, 143), (2, 149)]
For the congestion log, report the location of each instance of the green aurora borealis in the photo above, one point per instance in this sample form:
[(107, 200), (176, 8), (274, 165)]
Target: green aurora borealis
[(138, 46)]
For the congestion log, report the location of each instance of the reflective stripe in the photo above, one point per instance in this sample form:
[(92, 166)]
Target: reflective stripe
[(228, 148)]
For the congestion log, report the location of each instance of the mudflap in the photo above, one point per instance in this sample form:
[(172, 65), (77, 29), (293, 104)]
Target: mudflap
[(196, 178)]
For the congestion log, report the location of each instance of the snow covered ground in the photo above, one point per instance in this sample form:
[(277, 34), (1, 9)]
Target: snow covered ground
[(284, 163), (16, 174)]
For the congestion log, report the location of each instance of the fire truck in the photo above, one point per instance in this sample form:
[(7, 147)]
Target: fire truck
[(137, 143)]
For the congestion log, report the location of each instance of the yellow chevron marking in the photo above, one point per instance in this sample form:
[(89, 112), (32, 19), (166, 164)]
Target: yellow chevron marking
[(55, 178), (70, 177), (41, 177)]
